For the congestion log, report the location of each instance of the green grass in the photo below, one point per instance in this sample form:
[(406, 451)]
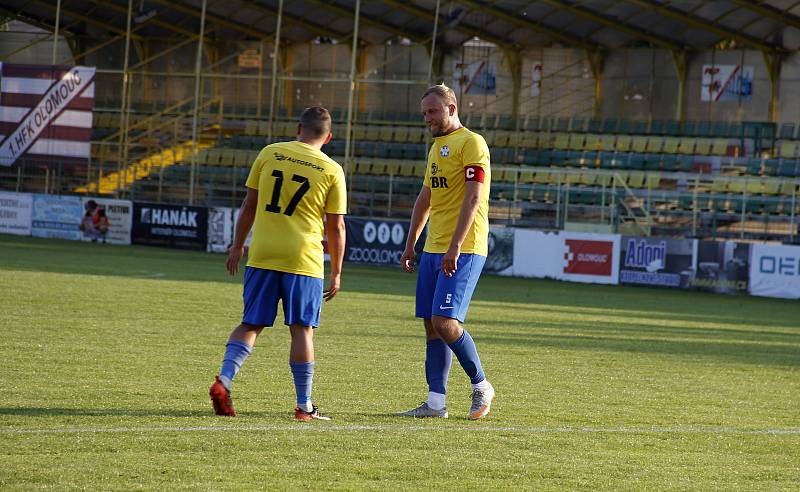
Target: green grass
[(107, 354)]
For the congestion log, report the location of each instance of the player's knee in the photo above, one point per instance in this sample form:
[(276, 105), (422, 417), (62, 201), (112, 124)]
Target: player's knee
[(246, 327), (301, 331), (448, 329)]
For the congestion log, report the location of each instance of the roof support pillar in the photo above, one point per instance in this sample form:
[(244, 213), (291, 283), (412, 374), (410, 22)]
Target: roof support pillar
[(514, 59), (351, 93), (195, 114), (680, 60), (596, 64), (773, 61)]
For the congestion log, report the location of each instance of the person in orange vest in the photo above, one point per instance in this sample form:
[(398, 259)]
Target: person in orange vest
[(95, 222)]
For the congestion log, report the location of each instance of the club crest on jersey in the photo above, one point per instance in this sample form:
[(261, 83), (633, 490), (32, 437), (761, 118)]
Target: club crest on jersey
[(434, 169), (444, 151)]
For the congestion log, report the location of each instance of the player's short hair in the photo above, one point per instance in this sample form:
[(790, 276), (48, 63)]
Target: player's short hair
[(445, 93), (316, 121)]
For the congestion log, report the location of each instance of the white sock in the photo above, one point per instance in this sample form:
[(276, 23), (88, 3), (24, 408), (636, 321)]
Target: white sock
[(436, 401), (483, 385), (225, 382), (306, 407)]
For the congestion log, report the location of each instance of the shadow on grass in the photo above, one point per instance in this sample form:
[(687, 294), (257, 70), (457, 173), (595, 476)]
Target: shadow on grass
[(99, 412), (142, 262), (767, 354)]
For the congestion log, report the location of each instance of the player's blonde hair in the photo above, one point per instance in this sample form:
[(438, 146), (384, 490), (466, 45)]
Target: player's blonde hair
[(445, 93)]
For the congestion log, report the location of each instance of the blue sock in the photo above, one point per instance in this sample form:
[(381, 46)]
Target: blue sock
[(467, 355), (303, 373), (236, 353), (438, 358)]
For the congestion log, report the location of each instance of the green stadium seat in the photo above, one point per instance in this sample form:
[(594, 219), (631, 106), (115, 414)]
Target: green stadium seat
[(785, 168), (788, 150), (639, 144), (637, 162), (561, 141), (501, 138), (653, 180), (639, 127), (623, 143), (720, 185), (719, 146), (576, 141), (771, 186), (685, 163), (401, 134), (654, 162), (719, 129), (772, 167), (686, 146), (577, 125), (386, 133), (636, 179), (656, 145), (372, 132), (786, 131), (672, 128), (702, 146), (670, 146)]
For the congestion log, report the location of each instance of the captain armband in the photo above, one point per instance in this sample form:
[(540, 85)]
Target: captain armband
[(474, 173)]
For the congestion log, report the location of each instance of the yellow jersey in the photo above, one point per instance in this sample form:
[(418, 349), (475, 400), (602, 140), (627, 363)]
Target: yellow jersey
[(452, 160), (297, 185)]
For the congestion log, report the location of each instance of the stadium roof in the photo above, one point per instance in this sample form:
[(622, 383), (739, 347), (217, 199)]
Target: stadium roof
[(769, 25)]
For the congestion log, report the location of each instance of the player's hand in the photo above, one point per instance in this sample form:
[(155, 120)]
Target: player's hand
[(450, 261), (333, 288), (234, 257), (407, 260)]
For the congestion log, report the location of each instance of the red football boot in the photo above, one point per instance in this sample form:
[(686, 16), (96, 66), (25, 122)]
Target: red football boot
[(221, 399), (303, 416)]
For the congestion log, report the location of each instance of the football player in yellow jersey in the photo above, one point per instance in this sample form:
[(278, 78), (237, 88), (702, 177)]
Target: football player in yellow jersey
[(454, 200), (294, 193)]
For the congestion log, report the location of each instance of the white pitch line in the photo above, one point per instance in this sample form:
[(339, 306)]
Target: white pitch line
[(322, 427)]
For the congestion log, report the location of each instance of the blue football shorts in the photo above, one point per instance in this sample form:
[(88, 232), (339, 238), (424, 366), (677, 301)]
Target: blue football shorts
[(439, 295), (301, 296)]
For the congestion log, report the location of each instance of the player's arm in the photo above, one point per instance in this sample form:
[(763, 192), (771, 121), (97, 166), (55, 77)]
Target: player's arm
[(335, 230), (422, 208), (247, 215), (472, 199)]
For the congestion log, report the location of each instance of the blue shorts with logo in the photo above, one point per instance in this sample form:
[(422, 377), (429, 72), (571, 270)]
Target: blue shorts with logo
[(439, 295), (301, 296)]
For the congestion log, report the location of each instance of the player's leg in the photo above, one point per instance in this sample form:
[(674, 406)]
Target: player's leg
[(451, 302), (438, 356), (261, 288), (302, 305)]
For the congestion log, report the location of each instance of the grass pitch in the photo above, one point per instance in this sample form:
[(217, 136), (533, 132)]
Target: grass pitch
[(108, 352)]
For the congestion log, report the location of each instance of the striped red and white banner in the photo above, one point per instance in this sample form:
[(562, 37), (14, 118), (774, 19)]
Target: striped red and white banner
[(45, 112)]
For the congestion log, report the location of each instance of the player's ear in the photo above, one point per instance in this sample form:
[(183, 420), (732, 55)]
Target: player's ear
[(328, 138), (452, 108)]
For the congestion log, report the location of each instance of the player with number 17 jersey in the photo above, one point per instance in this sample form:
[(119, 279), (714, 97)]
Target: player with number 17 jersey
[(298, 184)]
